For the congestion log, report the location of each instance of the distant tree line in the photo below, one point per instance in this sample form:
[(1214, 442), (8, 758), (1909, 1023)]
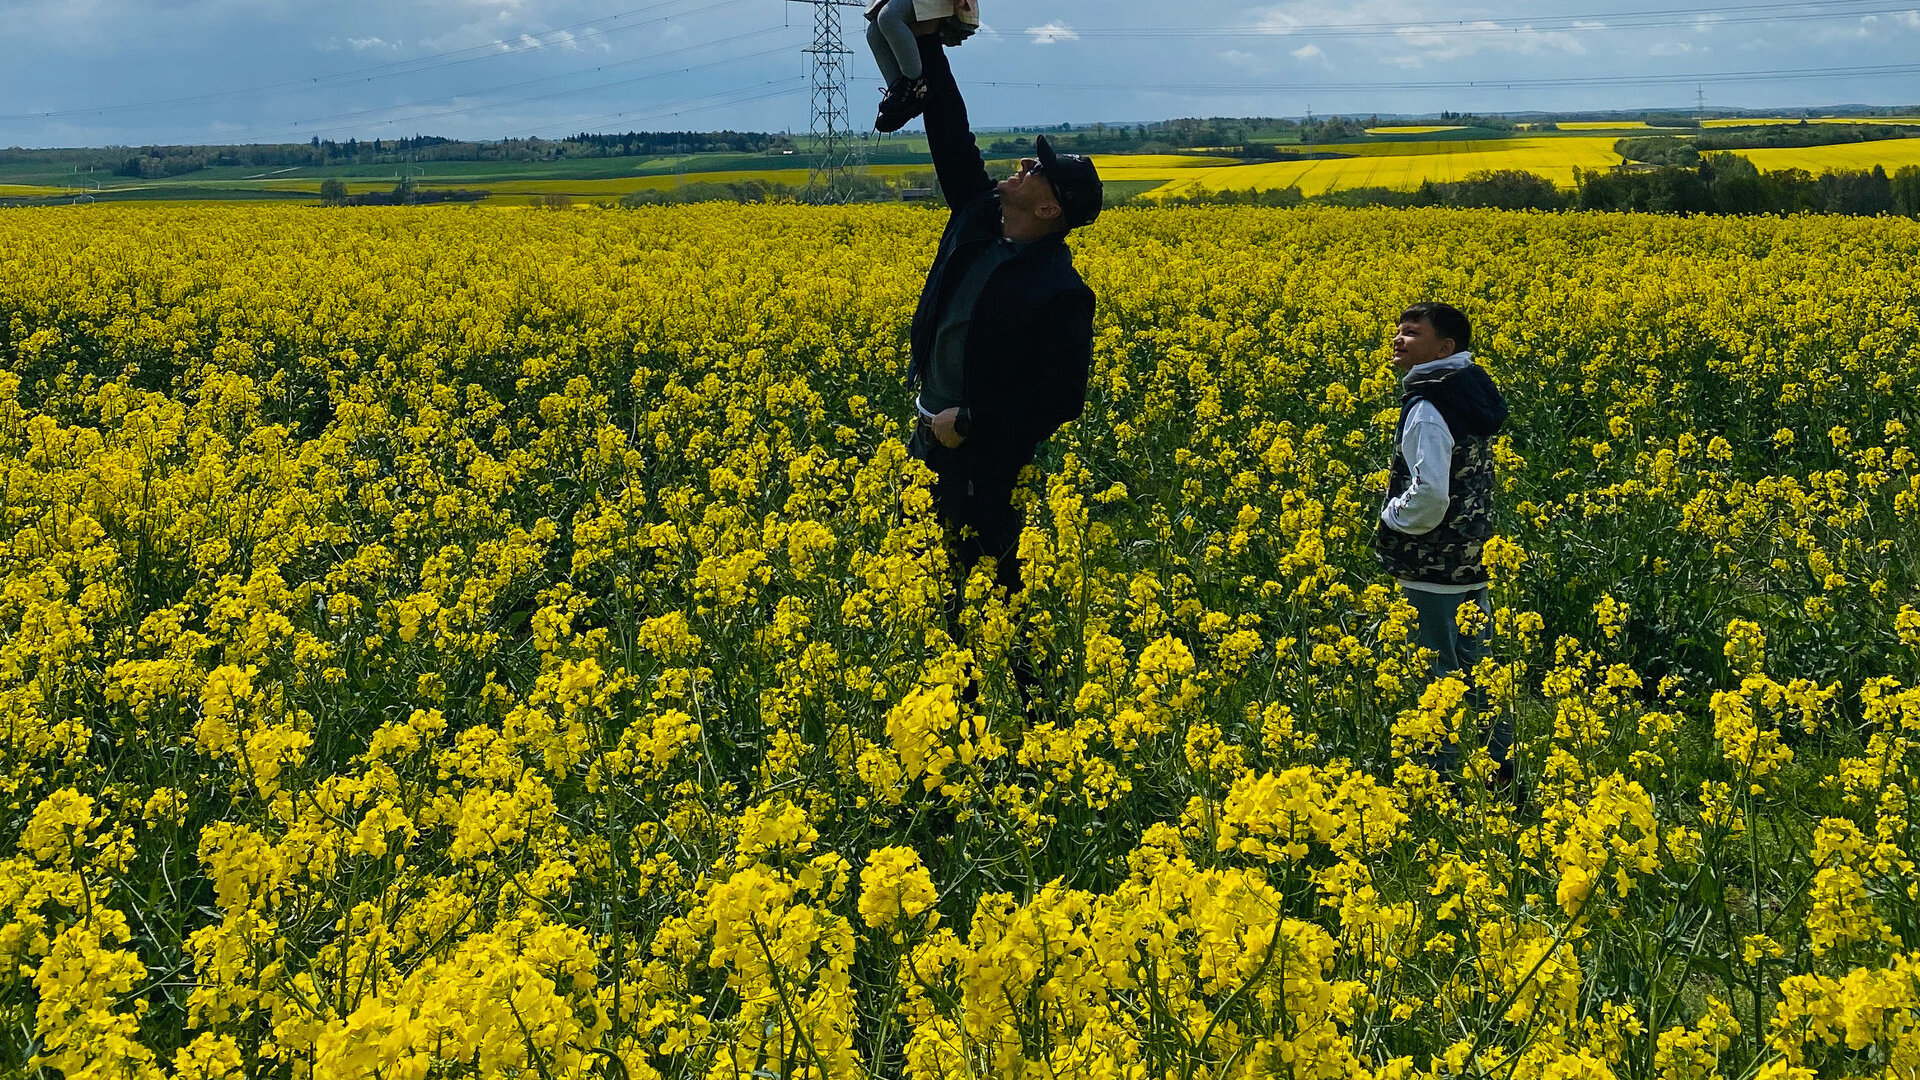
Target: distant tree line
[(1722, 183), (1246, 136), (857, 187), (160, 162), (1253, 136), (641, 143), (1658, 150), (1800, 134), (1158, 137), (1475, 120), (1725, 183)]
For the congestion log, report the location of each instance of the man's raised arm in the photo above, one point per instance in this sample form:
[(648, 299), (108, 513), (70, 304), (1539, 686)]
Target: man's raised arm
[(956, 156)]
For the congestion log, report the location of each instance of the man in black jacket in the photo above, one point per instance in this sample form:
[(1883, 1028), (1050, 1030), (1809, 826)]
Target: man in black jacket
[(1003, 335)]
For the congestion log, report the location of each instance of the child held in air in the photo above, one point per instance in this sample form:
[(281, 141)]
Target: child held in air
[(895, 25)]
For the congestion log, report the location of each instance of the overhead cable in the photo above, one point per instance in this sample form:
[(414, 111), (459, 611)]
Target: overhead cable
[(438, 61)]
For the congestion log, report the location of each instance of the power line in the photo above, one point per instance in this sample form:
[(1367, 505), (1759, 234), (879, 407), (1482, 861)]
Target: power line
[(1592, 23), (499, 104), (400, 68), (1771, 75), (454, 97), (720, 99)]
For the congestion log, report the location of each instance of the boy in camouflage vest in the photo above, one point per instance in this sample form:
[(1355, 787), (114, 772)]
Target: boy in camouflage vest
[(1439, 508)]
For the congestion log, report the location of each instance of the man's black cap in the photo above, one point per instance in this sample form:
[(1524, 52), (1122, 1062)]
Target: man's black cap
[(1076, 184)]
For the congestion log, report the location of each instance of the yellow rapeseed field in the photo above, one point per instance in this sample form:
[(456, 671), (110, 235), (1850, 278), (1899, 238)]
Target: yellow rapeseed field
[(1746, 122), (1889, 154), (617, 186), (1406, 165), (496, 644)]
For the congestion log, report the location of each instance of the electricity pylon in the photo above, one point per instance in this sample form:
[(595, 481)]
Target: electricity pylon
[(837, 150)]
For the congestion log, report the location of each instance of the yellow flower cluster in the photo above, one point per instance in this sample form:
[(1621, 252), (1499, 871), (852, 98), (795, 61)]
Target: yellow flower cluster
[(466, 643)]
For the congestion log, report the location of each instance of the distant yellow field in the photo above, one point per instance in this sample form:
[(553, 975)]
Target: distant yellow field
[(354, 187), (1811, 120), (1404, 166), (1584, 150), (1888, 153), (27, 191), (1415, 130), (1157, 161), (1155, 168), (621, 185), (1112, 167), (1600, 125)]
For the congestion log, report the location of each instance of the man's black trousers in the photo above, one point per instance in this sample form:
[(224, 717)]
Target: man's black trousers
[(980, 520), (979, 515)]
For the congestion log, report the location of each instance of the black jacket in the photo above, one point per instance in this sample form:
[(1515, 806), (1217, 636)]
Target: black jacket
[(1030, 343)]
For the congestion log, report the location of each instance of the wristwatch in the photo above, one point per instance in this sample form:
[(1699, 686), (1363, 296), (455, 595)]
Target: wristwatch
[(963, 423)]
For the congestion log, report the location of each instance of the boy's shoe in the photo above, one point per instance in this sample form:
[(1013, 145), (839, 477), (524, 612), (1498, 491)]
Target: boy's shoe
[(906, 99)]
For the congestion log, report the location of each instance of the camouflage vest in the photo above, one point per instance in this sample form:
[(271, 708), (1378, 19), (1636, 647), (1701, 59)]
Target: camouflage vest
[(1449, 554)]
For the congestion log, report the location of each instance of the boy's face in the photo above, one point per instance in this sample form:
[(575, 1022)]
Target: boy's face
[(1415, 343)]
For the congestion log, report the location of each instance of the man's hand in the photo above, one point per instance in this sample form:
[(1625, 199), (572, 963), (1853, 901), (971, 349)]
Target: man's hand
[(943, 428)]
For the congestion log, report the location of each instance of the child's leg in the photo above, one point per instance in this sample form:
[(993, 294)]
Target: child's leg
[(895, 23), (883, 53)]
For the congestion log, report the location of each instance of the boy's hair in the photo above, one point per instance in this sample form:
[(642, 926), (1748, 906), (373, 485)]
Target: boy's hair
[(1447, 321)]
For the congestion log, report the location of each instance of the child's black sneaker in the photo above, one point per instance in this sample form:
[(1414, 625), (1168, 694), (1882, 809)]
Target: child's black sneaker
[(906, 99)]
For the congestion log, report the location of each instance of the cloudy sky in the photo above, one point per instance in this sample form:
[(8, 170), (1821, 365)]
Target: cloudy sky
[(99, 72)]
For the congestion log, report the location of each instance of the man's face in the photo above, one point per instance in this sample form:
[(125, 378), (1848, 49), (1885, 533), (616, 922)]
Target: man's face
[(1415, 343), (1028, 188)]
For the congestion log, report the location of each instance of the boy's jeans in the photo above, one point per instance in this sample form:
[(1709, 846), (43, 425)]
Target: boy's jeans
[(1439, 630)]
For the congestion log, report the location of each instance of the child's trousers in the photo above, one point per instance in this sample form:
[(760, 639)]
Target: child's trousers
[(890, 35)]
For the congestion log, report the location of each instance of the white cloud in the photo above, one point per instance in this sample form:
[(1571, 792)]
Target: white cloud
[(1443, 44), (1052, 32), (1307, 52), (362, 44), (495, 32), (1670, 48), (1244, 60), (1435, 41), (1292, 15)]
